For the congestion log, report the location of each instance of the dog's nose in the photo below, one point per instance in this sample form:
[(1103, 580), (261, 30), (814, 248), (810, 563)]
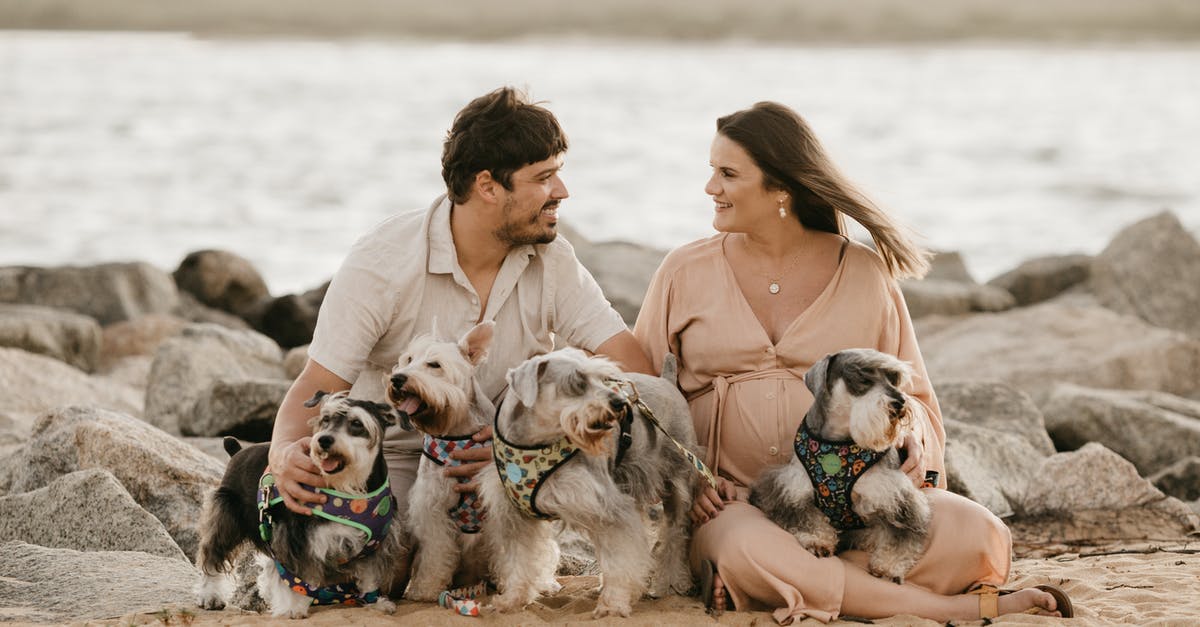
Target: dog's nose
[(617, 403), (325, 442), (398, 380)]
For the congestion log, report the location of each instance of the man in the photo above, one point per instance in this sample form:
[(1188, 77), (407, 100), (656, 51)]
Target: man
[(485, 251)]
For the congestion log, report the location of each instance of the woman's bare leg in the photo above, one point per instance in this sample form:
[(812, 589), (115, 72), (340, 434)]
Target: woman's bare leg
[(867, 596)]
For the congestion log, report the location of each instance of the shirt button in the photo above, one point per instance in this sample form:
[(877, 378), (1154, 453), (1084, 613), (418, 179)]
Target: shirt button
[(773, 450), (771, 351), (770, 396)]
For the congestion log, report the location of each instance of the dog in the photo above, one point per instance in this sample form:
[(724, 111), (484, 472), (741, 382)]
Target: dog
[(843, 488), (308, 560), (433, 391), (570, 445)]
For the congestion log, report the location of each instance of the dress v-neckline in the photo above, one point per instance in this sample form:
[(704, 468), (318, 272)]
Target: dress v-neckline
[(787, 328)]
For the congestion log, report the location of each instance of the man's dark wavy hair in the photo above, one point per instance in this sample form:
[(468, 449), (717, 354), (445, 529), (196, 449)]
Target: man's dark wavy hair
[(500, 132)]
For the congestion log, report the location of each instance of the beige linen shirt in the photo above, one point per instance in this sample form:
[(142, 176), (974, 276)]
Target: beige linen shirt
[(404, 274)]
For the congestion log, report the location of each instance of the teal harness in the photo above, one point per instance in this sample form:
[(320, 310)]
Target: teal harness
[(369, 513)]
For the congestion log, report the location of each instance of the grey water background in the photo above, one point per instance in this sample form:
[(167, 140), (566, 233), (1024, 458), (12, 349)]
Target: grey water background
[(145, 146)]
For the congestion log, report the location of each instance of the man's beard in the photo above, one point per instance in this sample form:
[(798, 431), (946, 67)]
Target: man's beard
[(516, 233)]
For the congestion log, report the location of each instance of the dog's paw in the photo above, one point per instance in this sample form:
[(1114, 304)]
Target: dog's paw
[(507, 602), (817, 545), (423, 594), (604, 609), (384, 605), (210, 602)]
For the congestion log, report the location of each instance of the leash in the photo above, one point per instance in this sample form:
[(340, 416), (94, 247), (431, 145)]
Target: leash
[(629, 390), (463, 600)]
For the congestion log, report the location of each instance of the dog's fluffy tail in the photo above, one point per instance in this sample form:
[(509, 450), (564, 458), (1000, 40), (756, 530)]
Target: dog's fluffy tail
[(232, 446), (670, 369)]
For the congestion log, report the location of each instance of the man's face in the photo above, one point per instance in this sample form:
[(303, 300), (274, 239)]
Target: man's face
[(529, 214)]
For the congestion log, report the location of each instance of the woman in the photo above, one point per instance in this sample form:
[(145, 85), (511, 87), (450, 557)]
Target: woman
[(747, 312)]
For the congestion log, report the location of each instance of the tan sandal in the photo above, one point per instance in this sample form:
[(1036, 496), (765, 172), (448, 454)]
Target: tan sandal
[(989, 600)]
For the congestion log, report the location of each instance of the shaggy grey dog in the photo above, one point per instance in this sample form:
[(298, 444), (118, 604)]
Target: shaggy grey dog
[(843, 488), (603, 465)]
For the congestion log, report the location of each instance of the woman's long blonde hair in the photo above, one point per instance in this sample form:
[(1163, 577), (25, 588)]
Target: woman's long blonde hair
[(786, 150)]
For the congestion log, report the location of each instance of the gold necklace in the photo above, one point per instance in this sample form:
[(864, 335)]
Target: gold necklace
[(773, 281)]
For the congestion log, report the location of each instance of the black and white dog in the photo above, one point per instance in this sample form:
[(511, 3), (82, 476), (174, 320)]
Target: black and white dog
[(344, 552)]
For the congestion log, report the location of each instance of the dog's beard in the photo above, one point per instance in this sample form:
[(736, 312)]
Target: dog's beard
[(343, 470), (873, 422), (436, 412), (589, 429)]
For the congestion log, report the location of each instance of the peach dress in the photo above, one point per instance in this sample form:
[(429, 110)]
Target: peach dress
[(747, 397)]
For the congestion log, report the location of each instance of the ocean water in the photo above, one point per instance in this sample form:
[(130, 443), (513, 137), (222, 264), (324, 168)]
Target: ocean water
[(124, 146)]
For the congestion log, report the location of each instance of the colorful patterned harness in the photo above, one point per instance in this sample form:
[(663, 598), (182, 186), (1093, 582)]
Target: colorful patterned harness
[(834, 467), (524, 470), (466, 512), (369, 513)]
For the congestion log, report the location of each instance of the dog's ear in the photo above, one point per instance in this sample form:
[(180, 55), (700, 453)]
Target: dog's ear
[(523, 380), (814, 379), (899, 374), (475, 344), (385, 413), (312, 402)]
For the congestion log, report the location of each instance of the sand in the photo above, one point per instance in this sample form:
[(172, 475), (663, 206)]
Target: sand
[(1122, 585)]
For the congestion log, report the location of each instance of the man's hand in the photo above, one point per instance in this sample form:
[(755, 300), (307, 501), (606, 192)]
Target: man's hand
[(475, 460), (292, 466), (914, 462), (710, 502)]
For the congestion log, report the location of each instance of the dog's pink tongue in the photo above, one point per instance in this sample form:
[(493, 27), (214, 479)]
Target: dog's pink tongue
[(330, 464), (410, 405)]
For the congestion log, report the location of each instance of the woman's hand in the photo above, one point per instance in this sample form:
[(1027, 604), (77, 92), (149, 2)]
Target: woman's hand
[(291, 466), (914, 461), (710, 502), (474, 460)]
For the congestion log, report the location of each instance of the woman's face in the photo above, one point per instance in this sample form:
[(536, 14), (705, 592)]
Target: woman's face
[(741, 200)]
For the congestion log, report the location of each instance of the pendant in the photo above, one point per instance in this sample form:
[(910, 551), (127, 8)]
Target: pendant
[(773, 287)]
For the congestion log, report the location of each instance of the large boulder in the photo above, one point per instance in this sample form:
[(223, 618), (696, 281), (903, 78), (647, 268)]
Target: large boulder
[(47, 585), (622, 269), (991, 467), (1151, 429), (71, 511), (186, 367), (221, 279), (997, 406), (66, 336), (138, 337), (947, 266), (1043, 278), (294, 362), (244, 409), (166, 477), (940, 297), (1180, 480), (1034, 347), (192, 310), (289, 320), (1151, 269), (34, 384), (108, 292), (1093, 495)]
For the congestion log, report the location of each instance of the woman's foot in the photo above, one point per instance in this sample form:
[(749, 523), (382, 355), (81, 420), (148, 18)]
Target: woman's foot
[(712, 589), (1035, 600), (718, 595)]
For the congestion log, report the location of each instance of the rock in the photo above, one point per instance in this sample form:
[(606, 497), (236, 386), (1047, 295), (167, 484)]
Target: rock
[(221, 280), (132, 372), (1150, 429), (186, 366), (289, 320), (1043, 278), (989, 466), (191, 310), (1093, 494), (1151, 269), (108, 292), (294, 362), (34, 384), (934, 296), (66, 514), (622, 269), (39, 584), (997, 406), (948, 266), (243, 408), (1034, 347), (69, 337), (166, 477), (213, 447), (1180, 480), (141, 336)]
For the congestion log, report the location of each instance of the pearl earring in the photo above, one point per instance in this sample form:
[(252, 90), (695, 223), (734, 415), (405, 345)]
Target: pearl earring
[(782, 210)]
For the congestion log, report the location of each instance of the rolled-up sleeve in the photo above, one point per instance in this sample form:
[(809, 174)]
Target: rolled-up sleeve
[(355, 313), (652, 328)]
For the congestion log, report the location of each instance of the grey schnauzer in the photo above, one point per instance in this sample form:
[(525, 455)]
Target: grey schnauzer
[(843, 488), (572, 444)]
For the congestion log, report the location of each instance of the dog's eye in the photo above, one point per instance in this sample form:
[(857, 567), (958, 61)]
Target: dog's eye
[(356, 423), (433, 364)]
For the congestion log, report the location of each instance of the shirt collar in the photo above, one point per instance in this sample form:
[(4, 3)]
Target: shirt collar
[(443, 256)]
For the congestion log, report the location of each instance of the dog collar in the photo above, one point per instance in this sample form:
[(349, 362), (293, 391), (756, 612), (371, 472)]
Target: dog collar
[(370, 513), (834, 467), (466, 512), (335, 594), (524, 470)]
